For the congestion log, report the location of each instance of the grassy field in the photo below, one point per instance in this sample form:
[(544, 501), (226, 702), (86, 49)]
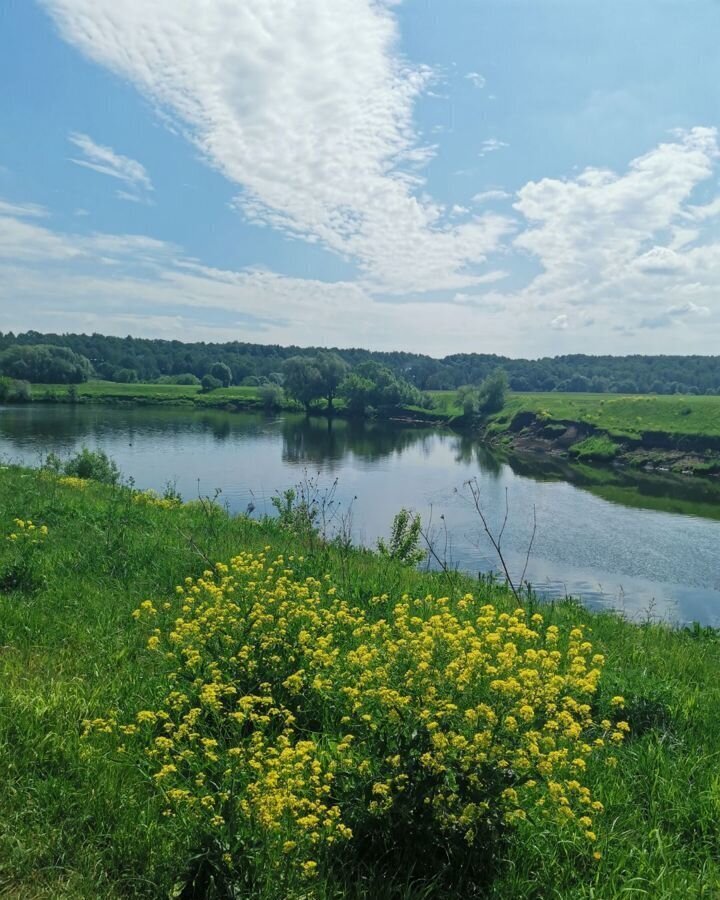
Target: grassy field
[(622, 415), (150, 393), (88, 817)]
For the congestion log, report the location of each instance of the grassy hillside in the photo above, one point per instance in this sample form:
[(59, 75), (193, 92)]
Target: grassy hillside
[(102, 815), (622, 415)]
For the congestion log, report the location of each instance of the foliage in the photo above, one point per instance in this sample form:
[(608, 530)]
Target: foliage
[(598, 447), (332, 371), (298, 726), (20, 570), (492, 391), (402, 545), (210, 383), (44, 363), (152, 359), (126, 376), (271, 396), (468, 397), (222, 372), (184, 378), (303, 380), (374, 386), (78, 823), (85, 464), (13, 391)]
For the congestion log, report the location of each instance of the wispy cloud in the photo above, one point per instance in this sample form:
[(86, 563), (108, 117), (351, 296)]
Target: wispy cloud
[(313, 123), (491, 145), (476, 79), (485, 196), (22, 210), (107, 162)]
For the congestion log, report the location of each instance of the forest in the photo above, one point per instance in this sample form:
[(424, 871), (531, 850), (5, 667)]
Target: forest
[(132, 359)]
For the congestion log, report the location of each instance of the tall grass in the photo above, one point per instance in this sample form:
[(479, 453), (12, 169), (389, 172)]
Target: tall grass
[(78, 823)]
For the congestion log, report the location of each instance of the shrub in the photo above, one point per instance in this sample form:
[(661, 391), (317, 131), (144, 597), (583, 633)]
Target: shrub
[(14, 391), (404, 539), (86, 464), (491, 394), (271, 396), (597, 447), (300, 732), (210, 383)]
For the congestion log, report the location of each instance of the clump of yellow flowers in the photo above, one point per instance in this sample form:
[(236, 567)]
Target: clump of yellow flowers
[(151, 498), (301, 720), (73, 481), (27, 532)]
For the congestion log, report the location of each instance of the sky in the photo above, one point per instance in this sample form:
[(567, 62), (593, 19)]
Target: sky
[(522, 177)]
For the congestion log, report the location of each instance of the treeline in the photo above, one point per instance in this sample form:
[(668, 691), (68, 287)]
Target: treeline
[(141, 359)]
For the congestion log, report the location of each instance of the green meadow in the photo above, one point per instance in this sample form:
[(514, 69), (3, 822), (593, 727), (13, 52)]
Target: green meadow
[(86, 814)]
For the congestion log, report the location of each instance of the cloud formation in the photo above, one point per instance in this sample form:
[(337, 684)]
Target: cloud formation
[(609, 242), (491, 145), (476, 79), (308, 108), (107, 162)]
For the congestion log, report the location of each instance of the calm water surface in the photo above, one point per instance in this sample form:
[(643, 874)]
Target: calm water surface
[(644, 544)]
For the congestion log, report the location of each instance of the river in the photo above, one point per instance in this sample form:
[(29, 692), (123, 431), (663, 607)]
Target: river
[(644, 544)]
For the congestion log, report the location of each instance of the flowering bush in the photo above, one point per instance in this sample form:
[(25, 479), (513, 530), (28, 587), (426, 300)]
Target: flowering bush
[(151, 498), (296, 723)]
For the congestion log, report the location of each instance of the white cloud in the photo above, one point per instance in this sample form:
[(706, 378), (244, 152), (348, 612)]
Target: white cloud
[(708, 211), (491, 145), (308, 107), (121, 283), (660, 261), (23, 210), (560, 323), (107, 162), (688, 308), (485, 196), (476, 79), (603, 239)]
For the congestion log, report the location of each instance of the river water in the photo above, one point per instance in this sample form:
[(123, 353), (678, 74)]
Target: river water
[(644, 544)]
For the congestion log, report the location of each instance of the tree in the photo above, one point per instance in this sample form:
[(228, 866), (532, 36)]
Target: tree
[(210, 383), (126, 376), (468, 397), (492, 392), (45, 364), (374, 385), (357, 392), (271, 396), (332, 370), (222, 372), (303, 381)]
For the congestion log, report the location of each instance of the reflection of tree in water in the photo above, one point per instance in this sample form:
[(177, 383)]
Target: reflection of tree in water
[(469, 450), (328, 441)]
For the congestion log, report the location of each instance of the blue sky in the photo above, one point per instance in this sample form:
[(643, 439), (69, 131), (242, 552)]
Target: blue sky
[(525, 177)]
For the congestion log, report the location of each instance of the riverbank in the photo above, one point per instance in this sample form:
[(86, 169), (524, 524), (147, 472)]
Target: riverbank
[(668, 433), (231, 399), (84, 817)]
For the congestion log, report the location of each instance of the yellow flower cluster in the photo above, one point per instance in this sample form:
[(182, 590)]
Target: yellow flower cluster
[(151, 498), (297, 716), (72, 481), (27, 532)]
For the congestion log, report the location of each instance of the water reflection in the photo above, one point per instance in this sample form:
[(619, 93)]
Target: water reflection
[(633, 540)]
